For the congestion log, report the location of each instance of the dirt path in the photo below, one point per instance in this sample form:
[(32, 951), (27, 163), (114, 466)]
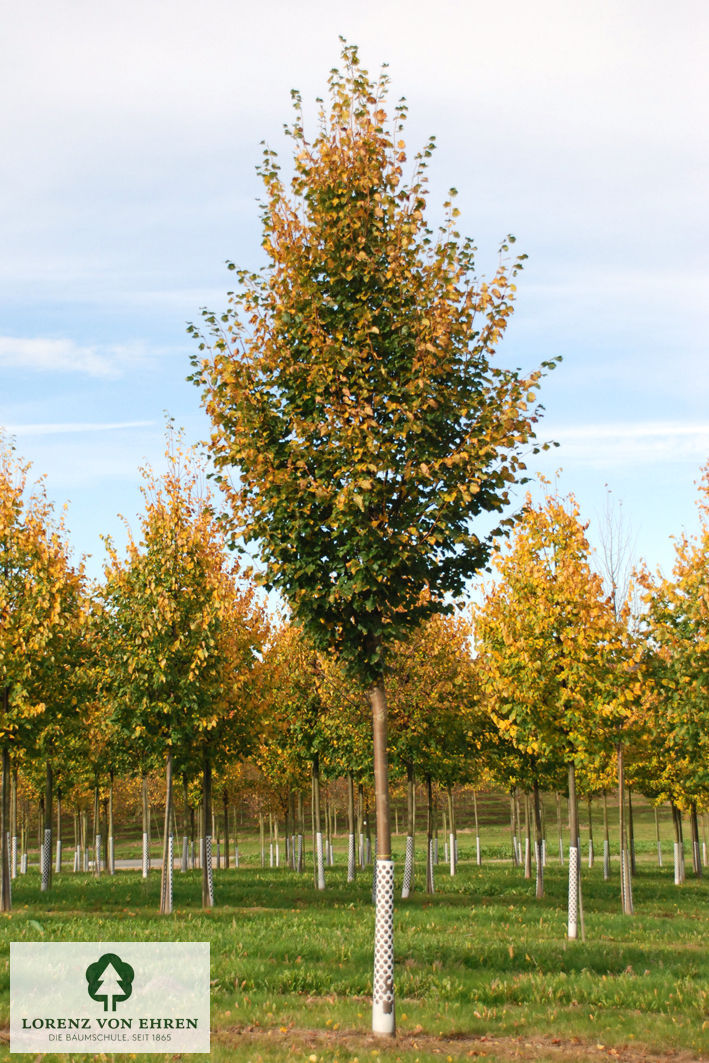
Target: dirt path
[(498, 1049)]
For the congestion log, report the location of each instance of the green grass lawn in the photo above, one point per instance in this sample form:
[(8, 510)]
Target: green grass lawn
[(482, 969)]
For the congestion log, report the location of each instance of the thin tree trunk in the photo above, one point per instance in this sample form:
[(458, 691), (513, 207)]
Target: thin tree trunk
[(351, 846), (626, 887), (606, 840), (97, 832), (513, 836), (631, 832), (574, 862), (167, 843), (85, 838), (5, 895), (538, 842), (207, 870), (111, 828), (527, 839), (383, 1010), (318, 862), (590, 832), (696, 854), (328, 830), (452, 833), (367, 834), (430, 887), (58, 865), (184, 863), (301, 832), (47, 839), (225, 800), (408, 883), (146, 827), (360, 823), (13, 823), (478, 857)]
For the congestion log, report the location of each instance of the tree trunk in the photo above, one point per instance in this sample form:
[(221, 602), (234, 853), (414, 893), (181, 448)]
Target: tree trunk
[(318, 863), (696, 854), (631, 832), (452, 832), (626, 887), (167, 842), (207, 870), (383, 1011), (590, 832), (574, 862), (606, 840), (478, 858), (58, 865), (351, 846), (538, 842), (527, 839), (430, 887), (513, 836), (328, 830), (184, 863), (301, 833), (146, 827), (97, 831), (410, 835), (5, 896), (360, 823), (367, 834), (111, 827), (47, 839), (85, 838), (13, 823), (225, 804)]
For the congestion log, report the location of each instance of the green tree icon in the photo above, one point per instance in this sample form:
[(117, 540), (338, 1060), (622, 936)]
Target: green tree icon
[(110, 980)]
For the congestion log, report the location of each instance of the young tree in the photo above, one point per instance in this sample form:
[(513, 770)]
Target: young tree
[(184, 633), (676, 669), (33, 579), (546, 640), (351, 385)]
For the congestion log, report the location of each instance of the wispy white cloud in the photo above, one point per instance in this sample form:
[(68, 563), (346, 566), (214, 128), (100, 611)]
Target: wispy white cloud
[(73, 427), (47, 355), (642, 443)]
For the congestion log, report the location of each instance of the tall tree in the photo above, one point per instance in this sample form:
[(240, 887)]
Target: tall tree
[(351, 385), (675, 623), (184, 632), (546, 639), (34, 570)]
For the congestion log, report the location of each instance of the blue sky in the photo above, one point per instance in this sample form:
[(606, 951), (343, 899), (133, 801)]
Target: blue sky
[(130, 138)]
